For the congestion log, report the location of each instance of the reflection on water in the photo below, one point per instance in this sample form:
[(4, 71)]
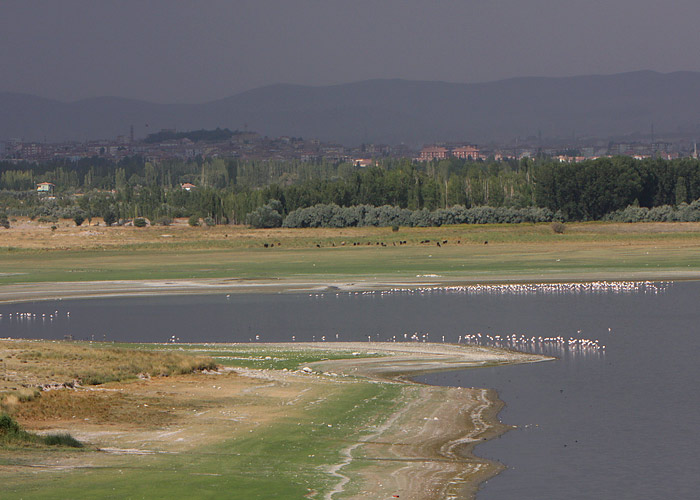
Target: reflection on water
[(605, 424), (549, 346), (528, 288)]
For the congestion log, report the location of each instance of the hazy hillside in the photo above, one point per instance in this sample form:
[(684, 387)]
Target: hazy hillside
[(390, 111)]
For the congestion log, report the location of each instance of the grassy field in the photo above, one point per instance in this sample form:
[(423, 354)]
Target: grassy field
[(273, 460), (32, 253)]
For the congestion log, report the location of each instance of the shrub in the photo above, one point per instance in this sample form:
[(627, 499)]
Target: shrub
[(9, 403), (688, 212), (4, 222), (8, 425), (264, 217), (685, 212), (109, 216), (395, 228), (62, 439), (390, 216), (193, 220), (558, 227), (28, 394), (164, 221), (664, 213), (140, 222), (12, 433), (209, 222), (629, 214), (78, 219)]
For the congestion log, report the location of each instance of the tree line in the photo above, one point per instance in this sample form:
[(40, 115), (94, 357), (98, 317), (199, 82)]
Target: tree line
[(397, 191)]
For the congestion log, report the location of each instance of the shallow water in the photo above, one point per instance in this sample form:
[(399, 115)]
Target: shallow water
[(613, 425), (619, 422)]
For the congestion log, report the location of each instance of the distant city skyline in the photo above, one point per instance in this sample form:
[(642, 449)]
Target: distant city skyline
[(180, 52)]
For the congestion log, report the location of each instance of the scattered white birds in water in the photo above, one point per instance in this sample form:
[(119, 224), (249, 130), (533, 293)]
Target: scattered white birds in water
[(522, 289), (556, 345), (20, 316), (537, 344)]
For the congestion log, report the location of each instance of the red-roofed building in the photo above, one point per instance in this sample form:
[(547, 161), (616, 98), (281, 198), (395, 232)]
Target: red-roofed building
[(434, 153), (466, 152)]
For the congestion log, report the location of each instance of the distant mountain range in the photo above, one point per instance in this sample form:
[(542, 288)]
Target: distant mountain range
[(388, 111)]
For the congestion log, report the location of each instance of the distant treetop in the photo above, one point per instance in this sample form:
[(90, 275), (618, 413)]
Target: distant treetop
[(216, 135)]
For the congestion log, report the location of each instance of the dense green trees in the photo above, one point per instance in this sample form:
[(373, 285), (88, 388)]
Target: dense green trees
[(592, 189), (397, 192)]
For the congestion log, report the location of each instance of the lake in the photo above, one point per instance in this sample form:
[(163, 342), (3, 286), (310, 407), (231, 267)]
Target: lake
[(612, 422)]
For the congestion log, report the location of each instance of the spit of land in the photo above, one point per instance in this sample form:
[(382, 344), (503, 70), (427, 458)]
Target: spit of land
[(270, 421)]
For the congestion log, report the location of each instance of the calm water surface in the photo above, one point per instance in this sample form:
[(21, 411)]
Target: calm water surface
[(615, 423)]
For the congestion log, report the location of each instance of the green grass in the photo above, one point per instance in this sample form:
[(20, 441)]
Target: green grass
[(250, 356), (285, 460), (393, 262), (511, 250), (62, 439), (13, 436)]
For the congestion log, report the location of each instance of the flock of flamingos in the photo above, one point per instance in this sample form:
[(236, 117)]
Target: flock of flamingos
[(558, 345)]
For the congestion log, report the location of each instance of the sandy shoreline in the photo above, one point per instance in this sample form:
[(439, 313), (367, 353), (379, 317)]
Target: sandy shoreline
[(433, 435), (25, 292)]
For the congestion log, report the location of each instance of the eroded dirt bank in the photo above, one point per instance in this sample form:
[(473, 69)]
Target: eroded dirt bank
[(423, 450)]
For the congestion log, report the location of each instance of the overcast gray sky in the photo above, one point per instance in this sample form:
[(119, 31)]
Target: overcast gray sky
[(195, 51)]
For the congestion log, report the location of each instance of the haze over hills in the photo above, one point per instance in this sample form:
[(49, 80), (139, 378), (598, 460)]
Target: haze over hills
[(388, 111)]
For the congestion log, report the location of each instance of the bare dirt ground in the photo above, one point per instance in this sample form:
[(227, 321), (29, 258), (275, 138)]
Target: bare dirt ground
[(23, 292), (424, 450), (426, 444)]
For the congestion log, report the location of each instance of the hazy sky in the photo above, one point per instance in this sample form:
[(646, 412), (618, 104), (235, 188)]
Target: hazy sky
[(194, 51)]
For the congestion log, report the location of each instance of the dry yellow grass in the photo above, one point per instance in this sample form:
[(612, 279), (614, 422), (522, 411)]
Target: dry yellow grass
[(31, 235), (27, 365), (27, 234)]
